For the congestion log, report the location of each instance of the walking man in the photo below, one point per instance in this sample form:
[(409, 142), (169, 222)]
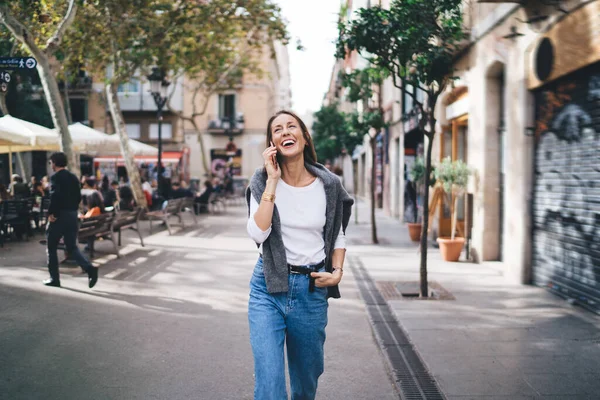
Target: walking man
[(63, 222)]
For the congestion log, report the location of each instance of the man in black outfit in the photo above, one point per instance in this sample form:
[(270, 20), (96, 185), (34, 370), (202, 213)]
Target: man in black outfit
[(65, 195)]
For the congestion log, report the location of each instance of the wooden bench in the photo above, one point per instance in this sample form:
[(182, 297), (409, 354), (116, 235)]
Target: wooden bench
[(187, 205), (97, 227), (216, 200), (173, 208), (126, 220)]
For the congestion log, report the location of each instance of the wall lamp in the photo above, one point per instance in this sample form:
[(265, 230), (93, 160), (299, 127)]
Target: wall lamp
[(513, 33)]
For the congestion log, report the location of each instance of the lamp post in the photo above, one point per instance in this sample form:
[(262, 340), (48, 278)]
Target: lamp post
[(158, 88)]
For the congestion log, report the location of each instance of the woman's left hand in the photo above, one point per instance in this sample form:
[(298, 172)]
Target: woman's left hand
[(324, 279)]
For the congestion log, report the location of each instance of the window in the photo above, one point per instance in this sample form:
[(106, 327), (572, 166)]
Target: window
[(133, 131), (166, 131), (133, 86), (407, 103), (227, 107)]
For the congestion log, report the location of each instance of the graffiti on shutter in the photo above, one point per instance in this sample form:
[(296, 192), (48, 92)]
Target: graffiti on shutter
[(567, 189)]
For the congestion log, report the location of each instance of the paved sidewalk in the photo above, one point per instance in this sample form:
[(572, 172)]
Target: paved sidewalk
[(496, 340), (165, 321)]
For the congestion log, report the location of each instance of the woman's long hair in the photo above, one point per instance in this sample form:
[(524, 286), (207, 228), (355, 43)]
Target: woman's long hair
[(310, 154), (95, 199)]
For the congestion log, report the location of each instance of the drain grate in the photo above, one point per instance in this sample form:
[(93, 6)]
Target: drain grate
[(411, 378)]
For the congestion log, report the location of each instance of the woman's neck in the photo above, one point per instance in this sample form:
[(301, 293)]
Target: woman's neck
[(293, 172)]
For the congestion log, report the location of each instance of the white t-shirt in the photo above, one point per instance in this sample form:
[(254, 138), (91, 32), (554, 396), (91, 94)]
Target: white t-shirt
[(302, 215)]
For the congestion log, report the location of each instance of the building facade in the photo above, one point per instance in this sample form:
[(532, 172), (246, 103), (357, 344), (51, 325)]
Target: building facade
[(237, 147), (523, 113)]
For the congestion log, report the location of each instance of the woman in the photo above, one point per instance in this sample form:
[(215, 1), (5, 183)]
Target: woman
[(298, 213), (126, 200), (95, 205)]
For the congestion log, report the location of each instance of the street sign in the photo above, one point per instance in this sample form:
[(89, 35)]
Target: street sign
[(26, 63), (4, 77), (3, 87)]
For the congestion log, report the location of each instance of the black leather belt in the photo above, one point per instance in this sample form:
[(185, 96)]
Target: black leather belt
[(306, 270)]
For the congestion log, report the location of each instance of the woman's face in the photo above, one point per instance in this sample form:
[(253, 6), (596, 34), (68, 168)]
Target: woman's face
[(287, 136)]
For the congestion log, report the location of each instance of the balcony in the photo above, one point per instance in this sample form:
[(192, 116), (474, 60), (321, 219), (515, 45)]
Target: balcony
[(224, 126), (135, 96)]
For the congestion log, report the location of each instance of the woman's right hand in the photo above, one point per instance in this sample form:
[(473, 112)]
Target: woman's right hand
[(271, 165)]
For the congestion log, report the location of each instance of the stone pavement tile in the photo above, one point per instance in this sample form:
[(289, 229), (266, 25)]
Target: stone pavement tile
[(463, 363), (546, 364), (493, 397), (485, 384), (564, 384), (502, 335)]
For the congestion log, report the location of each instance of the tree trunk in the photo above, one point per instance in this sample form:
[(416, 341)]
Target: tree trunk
[(3, 106), (68, 112), (132, 170), (454, 203), (202, 148), (57, 110), (373, 185), (424, 286)]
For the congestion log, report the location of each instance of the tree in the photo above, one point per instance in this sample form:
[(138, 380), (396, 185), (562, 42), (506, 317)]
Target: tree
[(333, 134), (215, 46), (114, 39), (40, 29), (415, 41), (360, 84)]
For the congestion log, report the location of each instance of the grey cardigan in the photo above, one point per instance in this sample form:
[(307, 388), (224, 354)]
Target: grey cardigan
[(339, 205)]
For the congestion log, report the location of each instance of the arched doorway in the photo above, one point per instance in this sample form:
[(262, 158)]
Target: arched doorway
[(496, 162)]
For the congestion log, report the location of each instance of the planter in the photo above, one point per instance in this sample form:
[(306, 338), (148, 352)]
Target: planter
[(414, 231), (451, 249)]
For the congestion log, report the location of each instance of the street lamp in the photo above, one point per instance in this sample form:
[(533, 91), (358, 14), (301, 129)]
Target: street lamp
[(158, 88)]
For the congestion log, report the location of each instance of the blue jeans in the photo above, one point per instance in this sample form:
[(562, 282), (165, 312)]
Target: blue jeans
[(297, 318), (67, 226)]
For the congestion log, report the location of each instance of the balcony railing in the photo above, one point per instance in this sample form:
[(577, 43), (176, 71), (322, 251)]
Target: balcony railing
[(220, 125)]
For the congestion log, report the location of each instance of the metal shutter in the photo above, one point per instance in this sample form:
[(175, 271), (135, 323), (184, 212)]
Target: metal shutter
[(566, 193)]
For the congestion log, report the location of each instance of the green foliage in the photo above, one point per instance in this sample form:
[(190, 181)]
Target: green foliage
[(216, 43), (418, 171), (453, 175), (332, 133), (413, 39), (363, 122), (360, 83)]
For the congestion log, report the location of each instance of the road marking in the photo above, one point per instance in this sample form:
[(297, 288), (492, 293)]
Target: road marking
[(115, 273)]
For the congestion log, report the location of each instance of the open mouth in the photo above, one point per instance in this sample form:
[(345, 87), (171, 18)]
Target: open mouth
[(288, 143)]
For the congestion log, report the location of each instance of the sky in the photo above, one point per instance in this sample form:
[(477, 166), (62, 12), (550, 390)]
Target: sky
[(314, 22)]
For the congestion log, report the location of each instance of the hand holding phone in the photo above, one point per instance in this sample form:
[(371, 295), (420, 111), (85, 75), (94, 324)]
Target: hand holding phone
[(271, 165)]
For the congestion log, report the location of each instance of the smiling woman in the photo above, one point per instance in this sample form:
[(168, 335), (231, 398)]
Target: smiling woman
[(298, 212), (287, 126)]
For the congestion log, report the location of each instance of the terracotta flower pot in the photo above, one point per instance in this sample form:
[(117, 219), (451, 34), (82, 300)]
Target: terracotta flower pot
[(451, 249), (414, 231)]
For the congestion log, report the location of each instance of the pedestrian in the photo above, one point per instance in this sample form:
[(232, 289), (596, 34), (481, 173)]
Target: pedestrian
[(298, 213), (63, 222)]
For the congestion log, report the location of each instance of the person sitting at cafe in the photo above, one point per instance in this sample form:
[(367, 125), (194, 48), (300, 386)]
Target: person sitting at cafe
[(126, 199), (38, 194), (201, 200), (19, 189), (177, 192), (95, 205)]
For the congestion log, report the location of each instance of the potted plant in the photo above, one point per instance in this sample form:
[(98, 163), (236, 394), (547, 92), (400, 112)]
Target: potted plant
[(417, 176), (452, 176)]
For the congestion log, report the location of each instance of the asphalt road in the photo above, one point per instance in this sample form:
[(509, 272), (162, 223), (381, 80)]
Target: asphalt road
[(165, 321)]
